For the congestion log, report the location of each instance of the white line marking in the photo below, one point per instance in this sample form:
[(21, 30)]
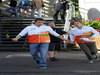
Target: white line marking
[(8, 56)]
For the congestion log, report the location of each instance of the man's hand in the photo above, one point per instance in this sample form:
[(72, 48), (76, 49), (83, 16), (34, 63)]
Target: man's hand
[(63, 39), (68, 41), (15, 39), (91, 38)]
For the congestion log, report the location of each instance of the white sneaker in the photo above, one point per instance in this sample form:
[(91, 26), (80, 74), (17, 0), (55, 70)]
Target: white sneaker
[(91, 62), (94, 56)]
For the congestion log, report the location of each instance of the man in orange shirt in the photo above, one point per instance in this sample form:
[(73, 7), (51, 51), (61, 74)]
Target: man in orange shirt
[(38, 39), (84, 36)]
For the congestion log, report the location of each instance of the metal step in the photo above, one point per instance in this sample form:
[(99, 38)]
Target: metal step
[(13, 49), (14, 45)]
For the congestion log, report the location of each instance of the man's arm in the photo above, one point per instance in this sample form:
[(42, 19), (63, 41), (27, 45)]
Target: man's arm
[(56, 34), (61, 32), (95, 34), (15, 39), (72, 37), (21, 34)]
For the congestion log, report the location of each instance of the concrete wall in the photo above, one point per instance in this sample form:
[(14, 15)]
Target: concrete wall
[(89, 9)]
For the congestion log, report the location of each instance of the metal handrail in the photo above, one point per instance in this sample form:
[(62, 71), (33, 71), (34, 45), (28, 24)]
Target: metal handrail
[(70, 14)]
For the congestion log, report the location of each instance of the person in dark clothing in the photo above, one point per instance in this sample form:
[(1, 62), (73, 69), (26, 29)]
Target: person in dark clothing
[(23, 7), (12, 8), (13, 3), (55, 44), (0, 2), (60, 7)]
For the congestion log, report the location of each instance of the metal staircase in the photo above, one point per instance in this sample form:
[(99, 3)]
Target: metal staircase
[(10, 27)]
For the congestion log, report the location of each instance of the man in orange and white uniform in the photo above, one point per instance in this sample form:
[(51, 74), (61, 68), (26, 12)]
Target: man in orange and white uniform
[(84, 36), (38, 39)]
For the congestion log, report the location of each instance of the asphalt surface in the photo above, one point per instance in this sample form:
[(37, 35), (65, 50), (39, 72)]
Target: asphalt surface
[(69, 63)]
